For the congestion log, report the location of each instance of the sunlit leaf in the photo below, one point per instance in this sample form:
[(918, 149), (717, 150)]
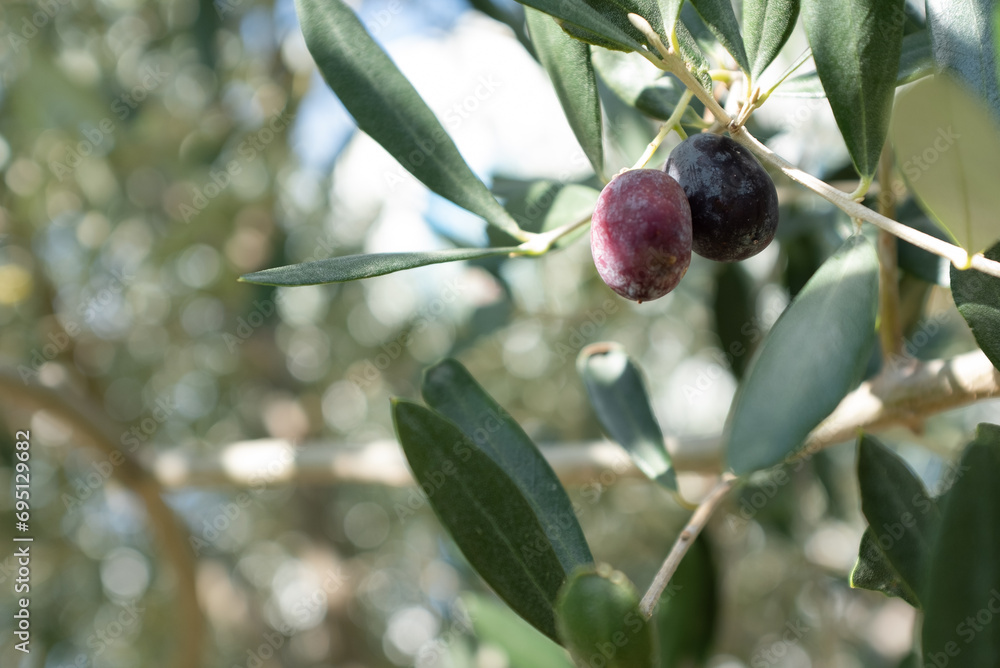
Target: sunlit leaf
[(856, 45), (767, 24), (721, 19), (978, 298), (567, 61), (963, 42), (915, 62), (451, 391), (962, 600), (385, 105), (947, 145), (354, 267), (617, 392), (605, 20), (485, 513), (813, 356), (599, 620), (524, 646)]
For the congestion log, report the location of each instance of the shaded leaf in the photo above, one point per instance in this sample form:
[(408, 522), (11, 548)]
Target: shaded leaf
[(923, 264), (874, 571), (720, 18), (948, 147), (354, 267), (813, 356), (688, 609), (540, 206), (386, 106), (485, 513), (734, 306), (901, 515), (451, 391), (669, 11), (767, 24), (567, 62), (694, 56), (644, 86), (962, 39), (856, 45), (977, 296), (598, 615), (617, 392), (963, 590), (524, 646)]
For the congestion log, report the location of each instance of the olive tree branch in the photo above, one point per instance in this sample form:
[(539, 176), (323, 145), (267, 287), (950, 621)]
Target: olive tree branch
[(674, 64), (89, 430)]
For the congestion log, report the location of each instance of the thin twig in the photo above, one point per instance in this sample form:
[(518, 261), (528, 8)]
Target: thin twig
[(684, 542)]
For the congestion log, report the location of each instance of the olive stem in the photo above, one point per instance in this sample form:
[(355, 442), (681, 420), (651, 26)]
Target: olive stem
[(541, 243), (684, 542), (668, 125), (890, 327)]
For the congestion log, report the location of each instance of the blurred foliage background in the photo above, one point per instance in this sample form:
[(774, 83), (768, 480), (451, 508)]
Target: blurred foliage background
[(154, 150)]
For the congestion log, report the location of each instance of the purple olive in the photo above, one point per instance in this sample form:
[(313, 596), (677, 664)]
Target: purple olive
[(641, 234)]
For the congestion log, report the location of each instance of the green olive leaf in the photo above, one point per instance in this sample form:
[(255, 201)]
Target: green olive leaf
[(767, 25), (856, 45), (385, 105), (813, 356)]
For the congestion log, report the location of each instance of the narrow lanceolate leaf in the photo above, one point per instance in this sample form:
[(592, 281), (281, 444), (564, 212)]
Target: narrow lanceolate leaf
[(734, 305), (962, 38), (387, 107), (642, 85), (856, 46), (693, 56), (915, 62), (963, 592), (720, 18), (485, 513), (947, 144), (567, 61), (874, 571), (617, 392), (813, 356), (525, 647), (451, 391), (977, 296), (669, 11), (607, 22), (901, 515), (599, 620), (687, 611), (767, 25), (354, 267)]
